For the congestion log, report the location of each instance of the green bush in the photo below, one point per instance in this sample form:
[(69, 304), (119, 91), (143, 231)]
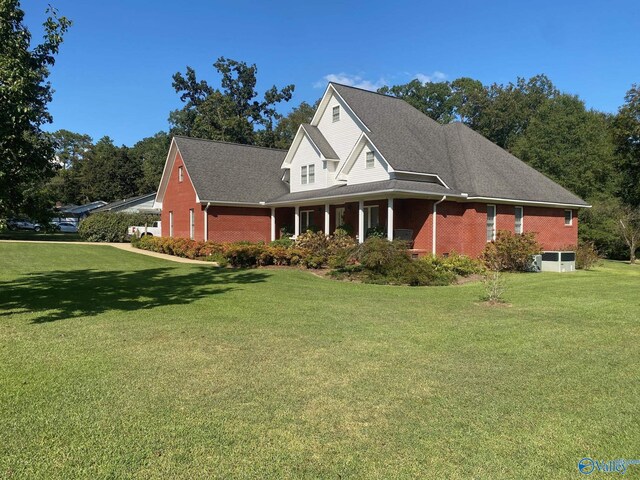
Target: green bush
[(378, 232), (282, 242), (243, 254), (510, 251), (111, 227), (587, 255)]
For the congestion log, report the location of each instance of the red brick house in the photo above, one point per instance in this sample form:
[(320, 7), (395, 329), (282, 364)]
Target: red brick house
[(365, 161)]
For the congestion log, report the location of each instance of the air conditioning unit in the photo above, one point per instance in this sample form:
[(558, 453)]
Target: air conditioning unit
[(558, 261), (536, 264)]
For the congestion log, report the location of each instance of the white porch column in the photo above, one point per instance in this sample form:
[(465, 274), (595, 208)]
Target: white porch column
[(390, 219), (296, 221), (361, 221), (273, 223), (327, 220)]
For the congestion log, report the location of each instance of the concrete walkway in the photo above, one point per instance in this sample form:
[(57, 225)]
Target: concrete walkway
[(121, 246)]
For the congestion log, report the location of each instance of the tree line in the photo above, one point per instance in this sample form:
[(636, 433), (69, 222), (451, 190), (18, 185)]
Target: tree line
[(594, 154)]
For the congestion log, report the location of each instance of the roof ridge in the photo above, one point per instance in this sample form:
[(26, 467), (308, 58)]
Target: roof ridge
[(230, 143), (367, 91)]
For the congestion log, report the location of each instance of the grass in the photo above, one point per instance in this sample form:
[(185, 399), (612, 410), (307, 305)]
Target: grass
[(39, 236), (116, 365)]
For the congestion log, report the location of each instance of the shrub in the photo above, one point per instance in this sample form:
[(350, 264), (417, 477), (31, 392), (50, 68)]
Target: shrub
[(494, 287), (587, 255), (243, 254), (376, 232), (111, 227), (315, 248), (282, 242), (463, 265), (345, 227), (510, 251)]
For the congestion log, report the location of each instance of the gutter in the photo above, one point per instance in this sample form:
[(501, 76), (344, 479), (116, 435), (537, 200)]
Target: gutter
[(433, 233)]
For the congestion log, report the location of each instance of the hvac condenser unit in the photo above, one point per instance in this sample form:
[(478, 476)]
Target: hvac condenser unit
[(558, 262)]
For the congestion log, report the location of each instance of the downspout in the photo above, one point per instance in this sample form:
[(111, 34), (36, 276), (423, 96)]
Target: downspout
[(206, 222), (435, 211)]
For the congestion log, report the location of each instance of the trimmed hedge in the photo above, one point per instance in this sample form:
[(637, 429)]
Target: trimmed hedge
[(375, 261), (112, 226)]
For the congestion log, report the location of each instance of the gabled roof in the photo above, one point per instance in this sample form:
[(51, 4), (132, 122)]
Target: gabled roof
[(230, 172), (318, 139), (465, 160)]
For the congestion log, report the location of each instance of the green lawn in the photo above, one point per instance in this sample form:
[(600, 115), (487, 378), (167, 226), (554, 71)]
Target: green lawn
[(117, 365), (39, 236)]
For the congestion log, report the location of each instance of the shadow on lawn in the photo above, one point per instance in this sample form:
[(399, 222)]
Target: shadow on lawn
[(60, 295)]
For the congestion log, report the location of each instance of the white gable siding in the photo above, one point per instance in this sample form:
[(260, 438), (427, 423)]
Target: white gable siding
[(359, 172), (343, 134), (307, 155)]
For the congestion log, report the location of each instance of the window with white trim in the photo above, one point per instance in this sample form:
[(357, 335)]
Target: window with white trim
[(491, 223), (192, 224), (171, 224), (180, 177), (519, 219), (371, 217), (306, 220), (370, 160), (568, 218), (312, 174), (336, 113), (303, 175)]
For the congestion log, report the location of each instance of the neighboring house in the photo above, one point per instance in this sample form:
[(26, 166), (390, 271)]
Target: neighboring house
[(365, 161), (141, 204), (78, 212)]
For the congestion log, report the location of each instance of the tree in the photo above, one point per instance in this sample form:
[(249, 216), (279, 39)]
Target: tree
[(571, 145), (288, 125), (626, 128), (26, 152), (230, 114), (71, 147), (434, 99), (66, 185), (108, 173), (150, 153), (628, 223)]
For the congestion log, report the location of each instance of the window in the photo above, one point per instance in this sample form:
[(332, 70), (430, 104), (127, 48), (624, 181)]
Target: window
[(491, 223), (336, 113), (339, 217), (568, 217), (171, 224), (307, 174), (180, 174), (519, 214), (312, 173), (370, 161), (371, 217), (303, 175), (192, 224), (306, 220)]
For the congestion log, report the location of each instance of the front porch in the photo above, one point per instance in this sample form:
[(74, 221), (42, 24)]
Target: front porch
[(409, 219)]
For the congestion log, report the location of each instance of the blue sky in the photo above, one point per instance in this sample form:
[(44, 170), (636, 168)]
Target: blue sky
[(113, 74)]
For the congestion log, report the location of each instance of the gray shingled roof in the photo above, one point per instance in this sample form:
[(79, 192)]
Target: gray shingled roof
[(464, 159), (364, 188), (320, 141), (230, 172)]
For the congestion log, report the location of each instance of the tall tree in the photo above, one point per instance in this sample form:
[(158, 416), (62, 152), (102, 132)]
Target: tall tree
[(71, 147), (150, 153), (231, 113), (288, 125), (626, 128), (26, 152), (108, 173), (571, 145), (434, 99)]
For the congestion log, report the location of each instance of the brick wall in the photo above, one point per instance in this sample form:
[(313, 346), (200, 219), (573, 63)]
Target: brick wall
[(179, 198), (235, 224)]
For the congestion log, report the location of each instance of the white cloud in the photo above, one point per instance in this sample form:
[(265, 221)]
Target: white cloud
[(351, 80), (436, 76)]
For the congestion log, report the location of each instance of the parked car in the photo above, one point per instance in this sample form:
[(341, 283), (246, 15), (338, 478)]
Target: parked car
[(153, 229), (66, 227), (23, 224)]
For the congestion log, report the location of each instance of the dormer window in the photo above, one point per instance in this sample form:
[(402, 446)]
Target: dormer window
[(369, 161), (336, 113), (303, 175), (312, 174), (180, 178)]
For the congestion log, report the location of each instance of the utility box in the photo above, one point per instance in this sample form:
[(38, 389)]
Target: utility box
[(559, 261)]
